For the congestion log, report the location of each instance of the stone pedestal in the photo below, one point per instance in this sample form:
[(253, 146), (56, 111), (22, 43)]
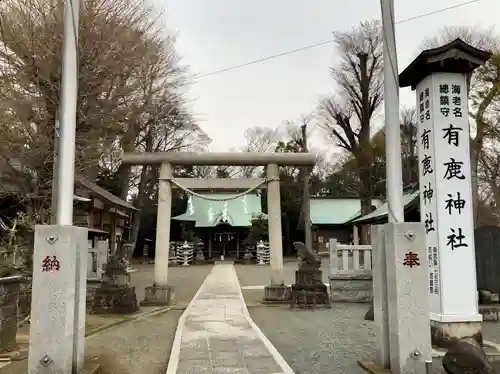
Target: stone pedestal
[(351, 287), (115, 299), (308, 277), (57, 330), (200, 258), (309, 289), (248, 257), (115, 295), (447, 334), (9, 294), (159, 296), (277, 294)]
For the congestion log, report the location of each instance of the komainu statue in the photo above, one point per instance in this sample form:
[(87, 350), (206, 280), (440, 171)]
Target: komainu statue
[(309, 289)]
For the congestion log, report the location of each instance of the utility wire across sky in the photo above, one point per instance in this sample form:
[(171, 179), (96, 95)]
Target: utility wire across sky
[(325, 42)]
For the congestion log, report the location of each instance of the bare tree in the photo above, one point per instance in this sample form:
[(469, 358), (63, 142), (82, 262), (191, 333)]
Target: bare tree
[(489, 179), (175, 131), (484, 93), (258, 139), (409, 145), (121, 49), (346, 117)]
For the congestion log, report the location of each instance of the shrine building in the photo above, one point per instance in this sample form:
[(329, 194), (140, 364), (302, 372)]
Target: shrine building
[(222, 225)]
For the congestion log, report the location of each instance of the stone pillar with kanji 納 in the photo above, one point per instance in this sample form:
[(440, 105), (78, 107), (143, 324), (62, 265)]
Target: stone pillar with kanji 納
[(441, 77), (57, 328)]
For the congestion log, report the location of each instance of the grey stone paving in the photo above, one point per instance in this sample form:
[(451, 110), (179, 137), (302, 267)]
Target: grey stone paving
[(218, 335)]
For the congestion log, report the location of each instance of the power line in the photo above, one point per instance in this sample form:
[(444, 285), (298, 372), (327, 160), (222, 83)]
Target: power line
[(272, 57)]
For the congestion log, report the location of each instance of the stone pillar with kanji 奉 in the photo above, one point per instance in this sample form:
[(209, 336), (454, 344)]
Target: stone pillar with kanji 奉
[(400, 300), (441, 78)]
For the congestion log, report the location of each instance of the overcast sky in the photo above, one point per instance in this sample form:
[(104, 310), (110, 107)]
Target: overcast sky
[(217, 34)]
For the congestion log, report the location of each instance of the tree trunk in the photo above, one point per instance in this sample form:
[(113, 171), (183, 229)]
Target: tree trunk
[(364, 155), (474, 164), (141, 193), (287, 236), (476, 144), (366, 206), (124, 169), (365, 190)]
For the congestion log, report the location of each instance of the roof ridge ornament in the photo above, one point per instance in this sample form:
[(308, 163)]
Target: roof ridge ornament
[(224, 212), (190, 205), (245, 204), (210, 212)]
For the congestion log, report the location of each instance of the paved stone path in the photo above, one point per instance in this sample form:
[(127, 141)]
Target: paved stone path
[(216, 334)]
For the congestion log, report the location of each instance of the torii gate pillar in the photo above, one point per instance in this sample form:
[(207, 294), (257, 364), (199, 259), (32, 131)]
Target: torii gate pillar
[(160, 293), (276, 291), (274, 223)]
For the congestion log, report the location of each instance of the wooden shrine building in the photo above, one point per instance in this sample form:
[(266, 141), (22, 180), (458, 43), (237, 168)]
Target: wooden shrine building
[(222, 225)]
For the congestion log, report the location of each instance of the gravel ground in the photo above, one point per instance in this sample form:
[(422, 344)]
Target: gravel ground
[(322, 340), (319, 341), (185, 280), (329, 340), (259, 275), (311, 341), (141, 346)]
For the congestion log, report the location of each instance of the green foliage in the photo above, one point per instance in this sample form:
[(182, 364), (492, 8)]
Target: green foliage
[(188, 234), (222, 172), (258, 231), (16, 252), (345, 180), (108, 180)]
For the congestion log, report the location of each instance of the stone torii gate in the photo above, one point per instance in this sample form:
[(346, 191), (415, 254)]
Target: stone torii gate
[(161, 293)]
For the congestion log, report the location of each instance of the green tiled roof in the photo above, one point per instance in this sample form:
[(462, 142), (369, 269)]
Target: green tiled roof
[(336, 211), (236, 212), (382, 210)]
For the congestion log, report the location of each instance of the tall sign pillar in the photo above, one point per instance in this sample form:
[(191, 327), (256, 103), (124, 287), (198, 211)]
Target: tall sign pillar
[(440, 77)]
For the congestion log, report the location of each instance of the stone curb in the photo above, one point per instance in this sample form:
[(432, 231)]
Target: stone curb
[(137, 317), (372, 368)]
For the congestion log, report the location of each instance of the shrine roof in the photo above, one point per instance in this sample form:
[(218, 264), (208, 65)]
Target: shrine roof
[(237, 212), (382, 211), (336, 211), (105, 196), (454, 57)]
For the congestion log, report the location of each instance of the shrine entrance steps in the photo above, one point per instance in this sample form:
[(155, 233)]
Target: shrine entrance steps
[(217, 335)]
